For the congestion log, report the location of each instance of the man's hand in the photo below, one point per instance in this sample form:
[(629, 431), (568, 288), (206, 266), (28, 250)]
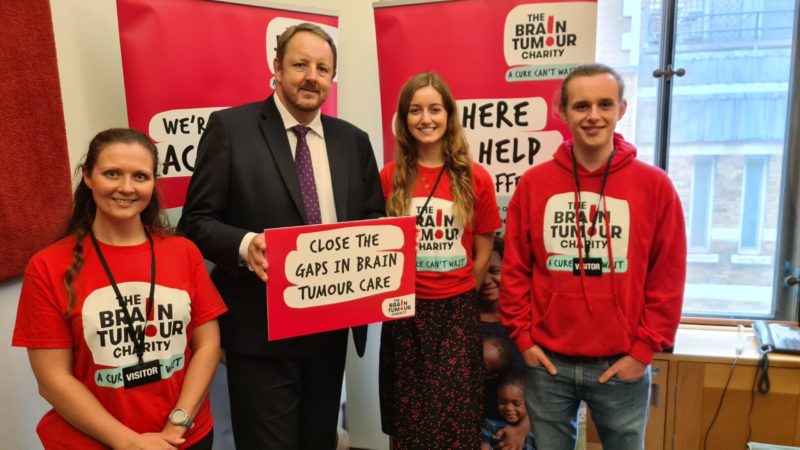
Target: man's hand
[(535, 356), (626, 368), (256, 260)]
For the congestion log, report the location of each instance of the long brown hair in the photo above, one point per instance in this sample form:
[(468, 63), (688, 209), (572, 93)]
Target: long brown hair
[(84, 208), (457, 160)]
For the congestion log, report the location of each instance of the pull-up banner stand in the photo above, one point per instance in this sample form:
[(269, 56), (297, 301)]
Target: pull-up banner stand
[(184, 59), (504, 61)]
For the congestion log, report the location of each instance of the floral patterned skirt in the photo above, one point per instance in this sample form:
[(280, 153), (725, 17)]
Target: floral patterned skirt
[(431, 376)]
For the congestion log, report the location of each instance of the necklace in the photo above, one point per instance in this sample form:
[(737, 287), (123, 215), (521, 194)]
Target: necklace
[(427, 185), (435, 185)]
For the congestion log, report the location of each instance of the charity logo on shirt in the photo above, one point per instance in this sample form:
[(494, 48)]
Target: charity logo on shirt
[(561, 234), (108, 336), (440, 248)]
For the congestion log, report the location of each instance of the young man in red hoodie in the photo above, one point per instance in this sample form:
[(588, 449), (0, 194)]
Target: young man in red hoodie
[(593, 273)]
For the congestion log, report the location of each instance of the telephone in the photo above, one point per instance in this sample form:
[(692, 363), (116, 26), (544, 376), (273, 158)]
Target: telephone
[(777, 337)]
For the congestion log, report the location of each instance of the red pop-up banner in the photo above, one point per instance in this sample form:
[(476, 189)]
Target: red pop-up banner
[(504, 61), (184, 59)]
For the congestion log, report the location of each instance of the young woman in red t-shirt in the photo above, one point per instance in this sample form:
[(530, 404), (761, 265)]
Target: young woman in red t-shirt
[(431, 365), (119, 316)]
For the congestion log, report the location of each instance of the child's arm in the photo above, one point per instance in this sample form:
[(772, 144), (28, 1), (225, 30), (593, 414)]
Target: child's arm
[(514, 436)]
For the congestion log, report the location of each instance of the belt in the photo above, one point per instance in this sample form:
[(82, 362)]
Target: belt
[(583, 359)]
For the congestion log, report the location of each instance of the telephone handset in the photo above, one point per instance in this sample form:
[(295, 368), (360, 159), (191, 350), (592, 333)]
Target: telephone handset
[(777, 337)]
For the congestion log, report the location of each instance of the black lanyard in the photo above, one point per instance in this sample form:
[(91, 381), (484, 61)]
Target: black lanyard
[(435, 185), (582, 230), (138, 338)]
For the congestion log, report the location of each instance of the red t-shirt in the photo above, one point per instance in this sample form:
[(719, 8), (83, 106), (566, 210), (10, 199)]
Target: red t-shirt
[(96, 332), (444, 254)]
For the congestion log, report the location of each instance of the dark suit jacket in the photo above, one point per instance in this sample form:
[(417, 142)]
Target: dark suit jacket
[(245, 180)]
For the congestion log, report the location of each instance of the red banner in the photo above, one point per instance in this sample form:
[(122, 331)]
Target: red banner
[(331, 276), (184, 59), (504, 61)]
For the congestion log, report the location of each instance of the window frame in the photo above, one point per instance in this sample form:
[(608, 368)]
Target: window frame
[(786, 297)]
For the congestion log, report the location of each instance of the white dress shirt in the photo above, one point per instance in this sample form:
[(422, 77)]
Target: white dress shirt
[(319, 160)]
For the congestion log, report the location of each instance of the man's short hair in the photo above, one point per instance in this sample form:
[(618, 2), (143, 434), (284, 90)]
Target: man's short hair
[(588, 70), (288, 34)]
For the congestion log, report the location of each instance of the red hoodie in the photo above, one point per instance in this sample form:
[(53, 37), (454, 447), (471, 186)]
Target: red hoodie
[(634, 305)]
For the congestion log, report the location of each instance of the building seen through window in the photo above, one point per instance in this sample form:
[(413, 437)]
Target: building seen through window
[(727, 133)]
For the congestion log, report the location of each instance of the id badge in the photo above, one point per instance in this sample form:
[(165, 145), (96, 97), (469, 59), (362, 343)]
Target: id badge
[(593, 267), (141, 374)]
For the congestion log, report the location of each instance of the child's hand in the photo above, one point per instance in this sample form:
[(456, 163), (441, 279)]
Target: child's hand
[(514, 436)]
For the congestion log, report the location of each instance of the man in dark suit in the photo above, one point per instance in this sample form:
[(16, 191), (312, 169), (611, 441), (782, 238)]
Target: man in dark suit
[(252, 172)]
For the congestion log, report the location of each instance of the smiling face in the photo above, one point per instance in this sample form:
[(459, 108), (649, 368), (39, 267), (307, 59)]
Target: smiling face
[(511, 403), (427, 117), (122, 183), (490, 289), (593, 108), (304, 77)]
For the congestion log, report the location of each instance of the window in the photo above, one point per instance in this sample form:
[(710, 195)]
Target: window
[(722, 134), (700, 209), (753, 189)]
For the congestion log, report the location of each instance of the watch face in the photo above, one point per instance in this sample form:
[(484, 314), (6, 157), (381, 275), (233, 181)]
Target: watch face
[(178, 417)]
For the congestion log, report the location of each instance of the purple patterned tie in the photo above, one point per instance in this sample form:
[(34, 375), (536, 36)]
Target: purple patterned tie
[(305, 173)]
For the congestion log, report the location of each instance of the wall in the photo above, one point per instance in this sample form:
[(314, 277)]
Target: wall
[(87, 44)]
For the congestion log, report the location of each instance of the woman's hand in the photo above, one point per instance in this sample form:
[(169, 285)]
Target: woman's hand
[(174, 433), (152, 441)]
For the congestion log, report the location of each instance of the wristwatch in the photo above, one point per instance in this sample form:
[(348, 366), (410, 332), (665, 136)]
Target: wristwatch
[(180, 417)]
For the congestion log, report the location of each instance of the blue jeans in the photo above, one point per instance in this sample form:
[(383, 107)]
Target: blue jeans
[(619, 407)]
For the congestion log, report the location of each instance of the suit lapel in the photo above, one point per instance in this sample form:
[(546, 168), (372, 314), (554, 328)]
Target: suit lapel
[(278, 145), (337, 160)]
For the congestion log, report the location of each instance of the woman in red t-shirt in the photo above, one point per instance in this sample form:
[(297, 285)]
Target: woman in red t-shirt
[(431, 377), (119, 316)]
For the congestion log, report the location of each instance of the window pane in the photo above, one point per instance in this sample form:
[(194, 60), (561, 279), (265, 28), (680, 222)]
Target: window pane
[(752, 204), (728, 120), (699, 220)]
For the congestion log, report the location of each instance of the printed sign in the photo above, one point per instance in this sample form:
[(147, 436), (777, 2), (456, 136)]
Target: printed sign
[(184, 59), (612, 225), (505, 70), (331, 276), (105, 329)]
